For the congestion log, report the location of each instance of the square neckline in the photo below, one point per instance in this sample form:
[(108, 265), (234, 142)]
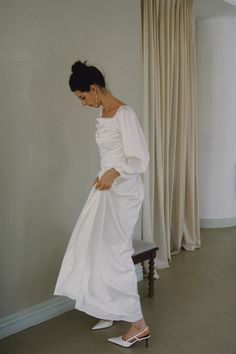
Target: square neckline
[(114, 116)]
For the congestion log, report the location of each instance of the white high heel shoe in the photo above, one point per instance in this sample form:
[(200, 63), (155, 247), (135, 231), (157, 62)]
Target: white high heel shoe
[(128, 343), (103, 324)]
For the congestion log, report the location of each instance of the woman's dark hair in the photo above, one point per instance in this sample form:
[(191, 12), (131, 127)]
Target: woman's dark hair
[(83, 76)]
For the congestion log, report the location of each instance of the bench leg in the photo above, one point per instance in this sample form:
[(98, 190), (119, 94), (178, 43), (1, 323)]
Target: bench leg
[(151, 277)]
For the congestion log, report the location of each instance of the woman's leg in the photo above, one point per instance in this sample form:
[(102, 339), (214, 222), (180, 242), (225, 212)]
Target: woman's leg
[(135, 328)]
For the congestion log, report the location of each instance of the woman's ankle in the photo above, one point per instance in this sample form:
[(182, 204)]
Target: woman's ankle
[(140, 324)]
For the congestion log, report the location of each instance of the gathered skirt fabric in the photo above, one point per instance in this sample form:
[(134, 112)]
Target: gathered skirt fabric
[(97, 270)]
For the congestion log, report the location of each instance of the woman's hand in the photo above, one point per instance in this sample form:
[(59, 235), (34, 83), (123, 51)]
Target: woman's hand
[(96, 180), (107, 179)]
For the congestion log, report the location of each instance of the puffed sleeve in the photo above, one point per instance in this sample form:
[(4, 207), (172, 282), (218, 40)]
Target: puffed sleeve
[(133, 142)]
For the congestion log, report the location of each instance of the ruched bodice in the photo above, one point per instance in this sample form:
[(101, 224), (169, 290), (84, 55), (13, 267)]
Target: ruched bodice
[(121, 143), (109, 141)]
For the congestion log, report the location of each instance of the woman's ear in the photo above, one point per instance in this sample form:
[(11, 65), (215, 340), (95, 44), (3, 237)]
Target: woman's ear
[(93, 88)]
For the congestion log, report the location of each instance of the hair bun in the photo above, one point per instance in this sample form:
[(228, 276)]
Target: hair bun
[(79, 66)]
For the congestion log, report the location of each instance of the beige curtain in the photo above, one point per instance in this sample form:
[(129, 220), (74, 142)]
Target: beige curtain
[(171, 207)]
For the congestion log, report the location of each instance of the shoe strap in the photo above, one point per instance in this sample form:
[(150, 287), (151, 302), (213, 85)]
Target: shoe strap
[(138, 334)]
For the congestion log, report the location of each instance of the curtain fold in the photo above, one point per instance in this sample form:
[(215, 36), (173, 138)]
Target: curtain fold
[(171, 206)]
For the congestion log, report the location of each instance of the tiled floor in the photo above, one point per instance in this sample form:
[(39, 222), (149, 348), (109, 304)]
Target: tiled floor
[(193, 310)]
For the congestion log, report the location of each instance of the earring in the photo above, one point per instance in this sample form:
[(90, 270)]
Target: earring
[(96, 100)]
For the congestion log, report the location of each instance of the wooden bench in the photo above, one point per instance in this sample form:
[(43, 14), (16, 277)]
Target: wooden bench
[(143, 251)]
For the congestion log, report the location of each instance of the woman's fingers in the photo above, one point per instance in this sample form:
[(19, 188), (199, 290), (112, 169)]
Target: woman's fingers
[(105, 182), (96, 180), (102, 186)]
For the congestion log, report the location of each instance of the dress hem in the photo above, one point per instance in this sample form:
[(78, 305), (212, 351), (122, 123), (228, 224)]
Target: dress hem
[(102, 314)]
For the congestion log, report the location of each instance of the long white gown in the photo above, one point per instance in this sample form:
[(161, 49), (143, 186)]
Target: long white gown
[(97, 269)]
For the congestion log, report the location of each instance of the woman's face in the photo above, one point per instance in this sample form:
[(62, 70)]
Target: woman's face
[(87, 98)]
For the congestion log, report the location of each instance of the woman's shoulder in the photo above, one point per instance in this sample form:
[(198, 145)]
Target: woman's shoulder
[(126, 117), (126, 109)]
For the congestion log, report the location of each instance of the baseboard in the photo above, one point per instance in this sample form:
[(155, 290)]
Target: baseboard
[(139, 271), (44, 311), (217, 223), (31, 316)]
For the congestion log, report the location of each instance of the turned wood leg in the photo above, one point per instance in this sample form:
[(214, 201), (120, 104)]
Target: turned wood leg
[(151, 277)]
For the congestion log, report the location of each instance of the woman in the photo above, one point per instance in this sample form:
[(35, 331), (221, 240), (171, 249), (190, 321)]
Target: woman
[(97, 269)]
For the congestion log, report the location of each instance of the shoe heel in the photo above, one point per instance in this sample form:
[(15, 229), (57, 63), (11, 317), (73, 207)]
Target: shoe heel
[(147, 342)]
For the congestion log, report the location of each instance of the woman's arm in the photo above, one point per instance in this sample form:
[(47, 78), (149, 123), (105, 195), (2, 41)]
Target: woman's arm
[(134, 143)]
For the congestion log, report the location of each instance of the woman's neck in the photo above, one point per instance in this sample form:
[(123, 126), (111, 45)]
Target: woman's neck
[(109, 102)]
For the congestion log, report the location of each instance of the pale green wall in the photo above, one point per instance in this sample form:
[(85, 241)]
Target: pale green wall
[(48, 154)]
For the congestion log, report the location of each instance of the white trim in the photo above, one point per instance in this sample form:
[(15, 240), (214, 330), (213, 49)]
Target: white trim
[(34, 315), (217, 223), (231, 2), (139, 271)]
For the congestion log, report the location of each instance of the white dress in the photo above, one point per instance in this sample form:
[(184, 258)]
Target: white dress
[(97, 269)]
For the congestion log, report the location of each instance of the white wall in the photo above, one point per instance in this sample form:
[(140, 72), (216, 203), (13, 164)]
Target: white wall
[(48, 154), (216, 58)]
